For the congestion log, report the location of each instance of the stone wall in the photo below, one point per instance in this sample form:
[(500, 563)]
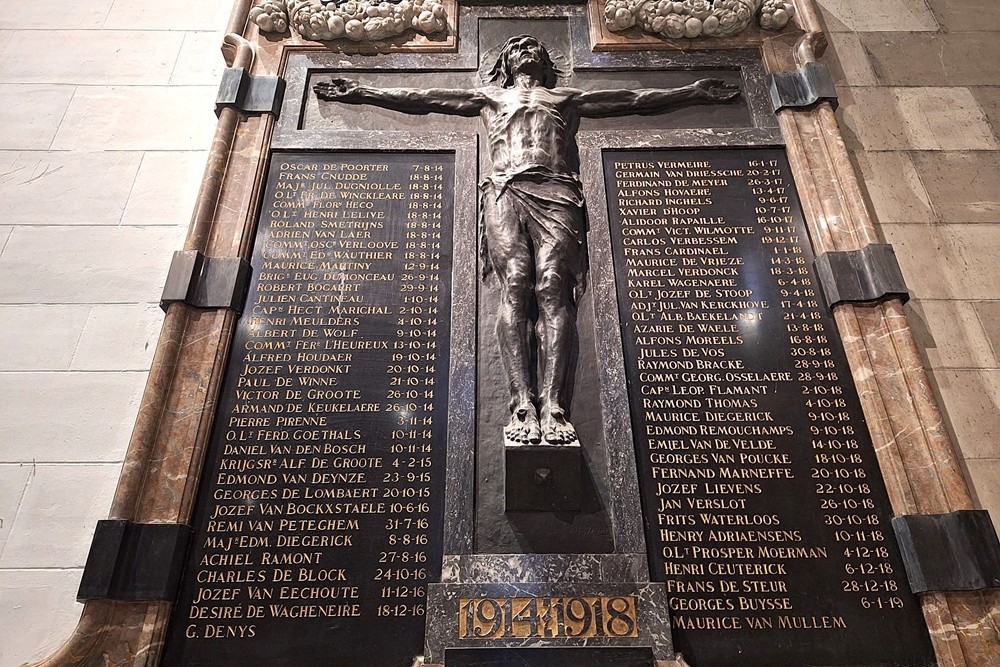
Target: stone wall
[(920, 112), (106, 118)]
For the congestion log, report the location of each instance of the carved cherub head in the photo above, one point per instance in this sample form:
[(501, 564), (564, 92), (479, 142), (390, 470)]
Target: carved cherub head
[(524, 54)]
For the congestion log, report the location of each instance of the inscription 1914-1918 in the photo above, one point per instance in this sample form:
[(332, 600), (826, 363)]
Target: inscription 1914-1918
[(765, 513), (576, 617), (318, 524)]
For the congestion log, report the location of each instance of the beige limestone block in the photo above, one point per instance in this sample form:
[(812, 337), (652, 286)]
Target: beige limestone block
[(60, 507), (950, 334), (61, 188), (168, 15), (943, 119), (5, 233), (921, 118), (948, 261), (971, 400), (34, 130), (963, 187), (983, 475), (118, 337), (86, 264), (989, 316), (200, 62), (966, 15), (40, 337), (139, 118), (868, 16), (870, 120), (55, 14), (38, 611), (831, 24), (68, 416), (90, 57), (989, 101), (934, 59), (13, 482), (165, 189), (894, 188), (5, 37), (848, 61)]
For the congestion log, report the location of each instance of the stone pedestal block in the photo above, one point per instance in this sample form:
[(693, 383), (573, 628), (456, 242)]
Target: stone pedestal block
[(540, 478)]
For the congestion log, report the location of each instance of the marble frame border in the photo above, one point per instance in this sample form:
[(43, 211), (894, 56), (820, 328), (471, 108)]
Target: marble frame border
[(918, 460)]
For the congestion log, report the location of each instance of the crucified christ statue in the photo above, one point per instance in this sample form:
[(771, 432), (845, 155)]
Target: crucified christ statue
[(532, 207)]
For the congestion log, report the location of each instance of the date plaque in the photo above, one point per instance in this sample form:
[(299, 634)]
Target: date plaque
[(549, 615)]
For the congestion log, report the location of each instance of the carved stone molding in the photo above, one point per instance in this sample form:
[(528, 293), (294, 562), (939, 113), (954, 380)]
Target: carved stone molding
[(355, 20), (695, 18), (919, 463), (162, 466)]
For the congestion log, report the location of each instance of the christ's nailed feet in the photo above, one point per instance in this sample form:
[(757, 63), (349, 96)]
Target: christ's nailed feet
[(556, 429), (523, 428)]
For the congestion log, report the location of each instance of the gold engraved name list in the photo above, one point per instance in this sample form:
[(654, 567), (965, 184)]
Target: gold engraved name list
[(760, 488), (326, 474)]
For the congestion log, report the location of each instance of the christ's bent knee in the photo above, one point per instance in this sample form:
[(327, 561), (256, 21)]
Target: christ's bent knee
[(551, 290), (517, 286)]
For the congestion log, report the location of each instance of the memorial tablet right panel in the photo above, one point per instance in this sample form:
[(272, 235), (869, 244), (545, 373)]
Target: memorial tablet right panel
[(765, 512)]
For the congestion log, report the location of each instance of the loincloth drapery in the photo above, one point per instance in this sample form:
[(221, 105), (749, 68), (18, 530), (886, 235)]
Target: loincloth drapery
[(549, 208)]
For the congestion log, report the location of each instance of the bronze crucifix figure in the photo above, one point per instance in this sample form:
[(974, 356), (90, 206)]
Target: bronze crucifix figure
[(532, 207)]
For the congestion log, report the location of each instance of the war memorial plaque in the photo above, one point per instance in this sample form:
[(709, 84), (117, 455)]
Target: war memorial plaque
[(439, 289), (318, 524), (765, 512), (533, 368)]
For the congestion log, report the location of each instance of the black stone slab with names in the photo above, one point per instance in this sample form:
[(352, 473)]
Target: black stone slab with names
[(318, 524), (765, 512)]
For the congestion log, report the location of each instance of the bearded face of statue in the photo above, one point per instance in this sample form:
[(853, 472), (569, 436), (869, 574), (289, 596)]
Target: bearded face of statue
[(523, 54)]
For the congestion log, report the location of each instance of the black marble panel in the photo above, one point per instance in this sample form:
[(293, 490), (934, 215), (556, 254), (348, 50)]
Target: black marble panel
[(553, 657), (524, 568), (765, 512), (319, 520)]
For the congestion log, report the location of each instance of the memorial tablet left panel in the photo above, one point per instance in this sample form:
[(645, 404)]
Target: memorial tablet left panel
[(106, 125), (318, 522)]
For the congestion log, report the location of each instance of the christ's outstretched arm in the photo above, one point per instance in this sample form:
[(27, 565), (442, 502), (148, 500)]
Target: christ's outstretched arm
[(605, 103), (407, 100)]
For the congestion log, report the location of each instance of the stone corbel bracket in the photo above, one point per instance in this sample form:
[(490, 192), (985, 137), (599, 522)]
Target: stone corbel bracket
[(134, 561), (868, 275), (696, 18), (356, 20), (958, 551), (806, 86), (249, 94), (206, 282)]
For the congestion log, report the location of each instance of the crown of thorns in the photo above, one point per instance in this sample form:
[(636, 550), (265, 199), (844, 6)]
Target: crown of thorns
[(503, 74)]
